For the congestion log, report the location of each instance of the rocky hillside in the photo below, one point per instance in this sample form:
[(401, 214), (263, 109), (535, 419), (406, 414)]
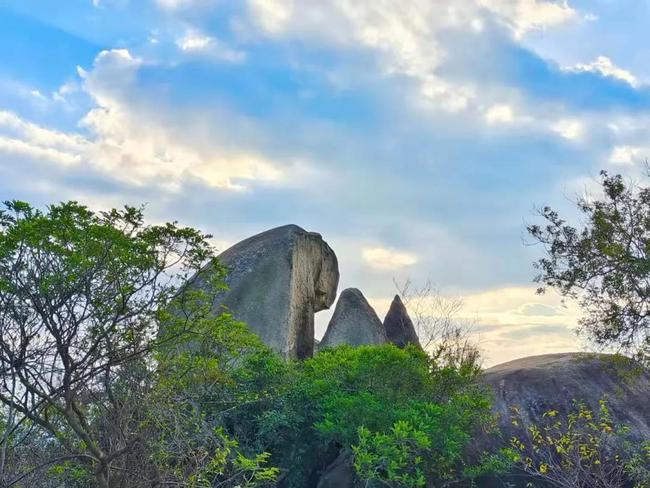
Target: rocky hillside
[(280, 278), (537, 384)]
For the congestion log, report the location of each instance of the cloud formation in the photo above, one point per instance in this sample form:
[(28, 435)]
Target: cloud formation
[(416, 136)]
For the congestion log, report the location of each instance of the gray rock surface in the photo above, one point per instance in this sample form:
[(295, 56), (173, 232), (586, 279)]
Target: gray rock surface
[(537, 384), (276, 281), (399, 326), (354, 322), (339, 474)]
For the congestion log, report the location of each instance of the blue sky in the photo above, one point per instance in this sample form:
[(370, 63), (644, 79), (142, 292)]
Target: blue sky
[(417, 136)]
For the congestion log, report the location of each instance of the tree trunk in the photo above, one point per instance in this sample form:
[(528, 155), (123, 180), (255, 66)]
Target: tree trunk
[(102, 477)]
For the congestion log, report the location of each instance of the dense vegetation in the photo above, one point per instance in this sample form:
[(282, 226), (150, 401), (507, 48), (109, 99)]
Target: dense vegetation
[(115, 373)]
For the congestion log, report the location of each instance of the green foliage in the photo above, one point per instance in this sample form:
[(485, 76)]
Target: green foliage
[(427, 446), (583, 449), (81, 297), (606, 264), (106, 322), (395, 409), (215, 370)]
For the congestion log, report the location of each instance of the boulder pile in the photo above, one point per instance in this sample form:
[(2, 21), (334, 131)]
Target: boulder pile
[(276, 282), (279, 279)]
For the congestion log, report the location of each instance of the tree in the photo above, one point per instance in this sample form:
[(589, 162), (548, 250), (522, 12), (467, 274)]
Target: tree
[(439, 326), (82, 295), (361, 402), (605, 264), (585, 449), (220, 369)]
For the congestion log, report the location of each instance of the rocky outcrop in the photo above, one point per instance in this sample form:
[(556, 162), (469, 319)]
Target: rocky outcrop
[(537, 384), (339, 474), (354, 322), (399, 326), (276, 281)]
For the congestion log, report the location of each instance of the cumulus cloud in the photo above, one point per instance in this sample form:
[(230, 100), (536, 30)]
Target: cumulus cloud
[(409, 36), (195, 42), (625, 155), (128, 143), (525, 15), (382, 258), (571, 129), (499, 114), (514, 321), (606, 67), (404, 34), (417, 186)]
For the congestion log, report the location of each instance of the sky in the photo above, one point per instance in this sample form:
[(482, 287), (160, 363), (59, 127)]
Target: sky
[(417, 136)]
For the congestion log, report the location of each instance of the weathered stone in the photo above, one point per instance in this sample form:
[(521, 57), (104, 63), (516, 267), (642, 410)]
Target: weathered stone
[(354, 322), (339, 474), (399, 326), (551, 382), (276, 281)]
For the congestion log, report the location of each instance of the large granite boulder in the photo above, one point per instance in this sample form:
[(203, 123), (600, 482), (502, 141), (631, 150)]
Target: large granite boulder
[(551, 382), (354, 322), (276, 281), (399, 326)]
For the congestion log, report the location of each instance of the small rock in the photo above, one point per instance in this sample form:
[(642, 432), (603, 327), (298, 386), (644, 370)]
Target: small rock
[(354, 322), (399, 326)]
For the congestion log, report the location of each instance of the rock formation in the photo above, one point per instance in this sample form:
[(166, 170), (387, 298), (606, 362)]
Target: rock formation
[(354, 322), (399, 326), (339, 474), (537, 384), (276, 281)]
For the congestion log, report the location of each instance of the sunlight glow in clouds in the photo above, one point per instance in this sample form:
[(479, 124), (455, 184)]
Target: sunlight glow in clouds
[(415, 135), (499, 114), (606, 67), (526, 15), (387, 259), (625, 155), (126, 144), (198, 43)]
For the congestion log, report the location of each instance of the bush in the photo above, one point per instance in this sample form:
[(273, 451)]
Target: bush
[(583, 449), (394, 409)]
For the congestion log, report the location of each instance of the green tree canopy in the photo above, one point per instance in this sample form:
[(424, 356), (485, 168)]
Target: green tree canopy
[(605, 263), (81, 297)]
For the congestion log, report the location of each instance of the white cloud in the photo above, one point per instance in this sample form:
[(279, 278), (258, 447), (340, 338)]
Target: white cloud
[(13, 126), (403, 33), (409, 36), (195, 42), (499, 114), (516, 322), (571, 129), (526, 15), (382, 258), (19, 147), (174, 4), (625, 155), (130, 143), (273, 15), (604, 66)]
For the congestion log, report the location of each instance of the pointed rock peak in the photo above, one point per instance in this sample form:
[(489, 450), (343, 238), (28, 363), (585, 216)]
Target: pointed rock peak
[(354, 322), (399, 326)]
